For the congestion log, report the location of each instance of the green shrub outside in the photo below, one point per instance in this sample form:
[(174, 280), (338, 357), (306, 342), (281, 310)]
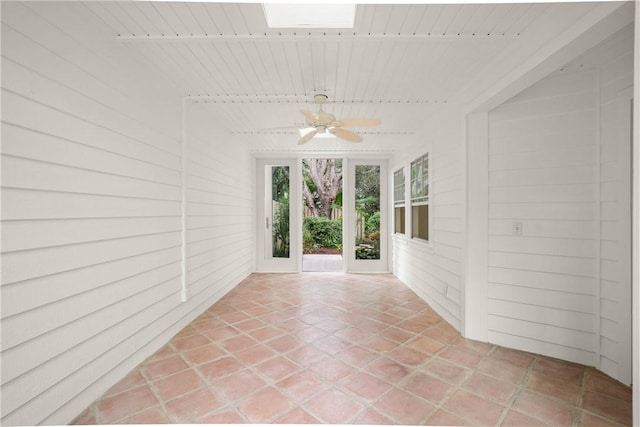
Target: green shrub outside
[(373, 223), (322, 232)]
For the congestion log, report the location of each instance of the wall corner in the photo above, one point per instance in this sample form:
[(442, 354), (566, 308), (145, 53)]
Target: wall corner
[(475, 294)]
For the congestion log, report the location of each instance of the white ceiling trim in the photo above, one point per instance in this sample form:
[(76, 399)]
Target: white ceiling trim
[(363, 2), (311, 37), (298, 99), (291, 132)]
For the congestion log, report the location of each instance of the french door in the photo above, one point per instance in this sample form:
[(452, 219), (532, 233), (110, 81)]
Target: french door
[(365, 211), (279, 216), (278, 205)]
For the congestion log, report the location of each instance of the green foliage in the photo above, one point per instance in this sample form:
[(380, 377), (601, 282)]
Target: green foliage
[(322, 232), (280, 182), (367, 189), (337, 203), (365, 252), (373, 223), (368, 205), (310, 184), (280, 194), (281, 241), (369, 246), (307, 241)]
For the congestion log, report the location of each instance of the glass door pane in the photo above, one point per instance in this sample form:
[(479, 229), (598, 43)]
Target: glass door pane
[(277, 192), (366, 224), (280, 235), (367, 212)]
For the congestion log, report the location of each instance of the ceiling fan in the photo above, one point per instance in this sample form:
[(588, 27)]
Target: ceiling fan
[(326, 122)]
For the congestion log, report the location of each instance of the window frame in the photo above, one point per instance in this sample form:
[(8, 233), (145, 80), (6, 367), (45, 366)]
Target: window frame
[(423, 197), (399, 190)]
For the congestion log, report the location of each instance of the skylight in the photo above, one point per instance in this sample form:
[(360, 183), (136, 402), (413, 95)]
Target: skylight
[(281, 15)]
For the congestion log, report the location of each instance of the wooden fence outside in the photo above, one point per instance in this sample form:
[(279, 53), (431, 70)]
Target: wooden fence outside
[(336, 213)]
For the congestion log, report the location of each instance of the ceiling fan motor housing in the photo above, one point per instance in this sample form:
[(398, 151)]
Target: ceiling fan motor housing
[(320, 98)]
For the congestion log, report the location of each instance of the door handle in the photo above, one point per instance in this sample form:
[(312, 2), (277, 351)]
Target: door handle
[(267, 222)]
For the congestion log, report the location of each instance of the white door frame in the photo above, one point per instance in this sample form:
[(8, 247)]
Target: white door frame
[(354, 265)]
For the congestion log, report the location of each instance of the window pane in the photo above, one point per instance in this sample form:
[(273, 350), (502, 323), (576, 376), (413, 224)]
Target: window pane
[(367, 207), (399, 220), (420, 179), (398, 186), (420, 221), (280, 211)]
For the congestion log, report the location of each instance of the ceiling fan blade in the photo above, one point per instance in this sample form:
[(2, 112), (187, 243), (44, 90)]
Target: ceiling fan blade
[(325, 118), (309, 116), (307, 137), (359, 122), (346, 135)]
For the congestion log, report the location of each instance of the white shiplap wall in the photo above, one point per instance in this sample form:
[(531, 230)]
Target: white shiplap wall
[(615, 63), (91, 214), (219, 209), (434, 271), (552, 167), (542, 173)]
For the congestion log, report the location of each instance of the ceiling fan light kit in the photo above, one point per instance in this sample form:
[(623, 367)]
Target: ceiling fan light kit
[(324, 122)]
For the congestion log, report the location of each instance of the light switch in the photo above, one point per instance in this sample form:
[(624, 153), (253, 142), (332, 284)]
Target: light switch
[(516, 228)]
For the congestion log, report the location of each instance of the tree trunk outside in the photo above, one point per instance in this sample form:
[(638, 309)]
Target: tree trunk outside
[(328, 182)]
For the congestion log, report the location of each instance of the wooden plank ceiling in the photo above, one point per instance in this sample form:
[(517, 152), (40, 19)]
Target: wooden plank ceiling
[(400, 63)]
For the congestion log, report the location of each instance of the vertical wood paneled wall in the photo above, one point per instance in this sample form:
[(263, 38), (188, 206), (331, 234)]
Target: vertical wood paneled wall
[(91, 214), (553, 168)]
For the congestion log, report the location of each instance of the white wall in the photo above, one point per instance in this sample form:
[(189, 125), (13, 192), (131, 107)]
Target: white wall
[(434, 271), (91, 213), (551, 165), (220, 209), (542, 158), (615, 73), (556, 289)]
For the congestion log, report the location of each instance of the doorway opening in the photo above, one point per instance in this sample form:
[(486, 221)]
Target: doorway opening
[(322, 239)]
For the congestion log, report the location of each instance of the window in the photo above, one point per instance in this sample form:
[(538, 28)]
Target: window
[(398, 201), (420, 197)]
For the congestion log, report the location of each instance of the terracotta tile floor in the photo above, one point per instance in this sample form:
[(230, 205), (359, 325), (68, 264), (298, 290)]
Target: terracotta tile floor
[(349, 349)]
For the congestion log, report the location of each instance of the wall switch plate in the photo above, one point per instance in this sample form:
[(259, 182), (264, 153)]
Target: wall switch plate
[(516, 228)]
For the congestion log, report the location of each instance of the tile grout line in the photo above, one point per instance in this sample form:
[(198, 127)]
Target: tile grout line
[(579, 408), (396, 385), (148, 383), (208, 385), (339, 384), (268, 381), (456, 387), (517, 391)]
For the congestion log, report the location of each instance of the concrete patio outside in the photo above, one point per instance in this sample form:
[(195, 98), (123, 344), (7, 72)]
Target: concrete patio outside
[(322, 263)]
